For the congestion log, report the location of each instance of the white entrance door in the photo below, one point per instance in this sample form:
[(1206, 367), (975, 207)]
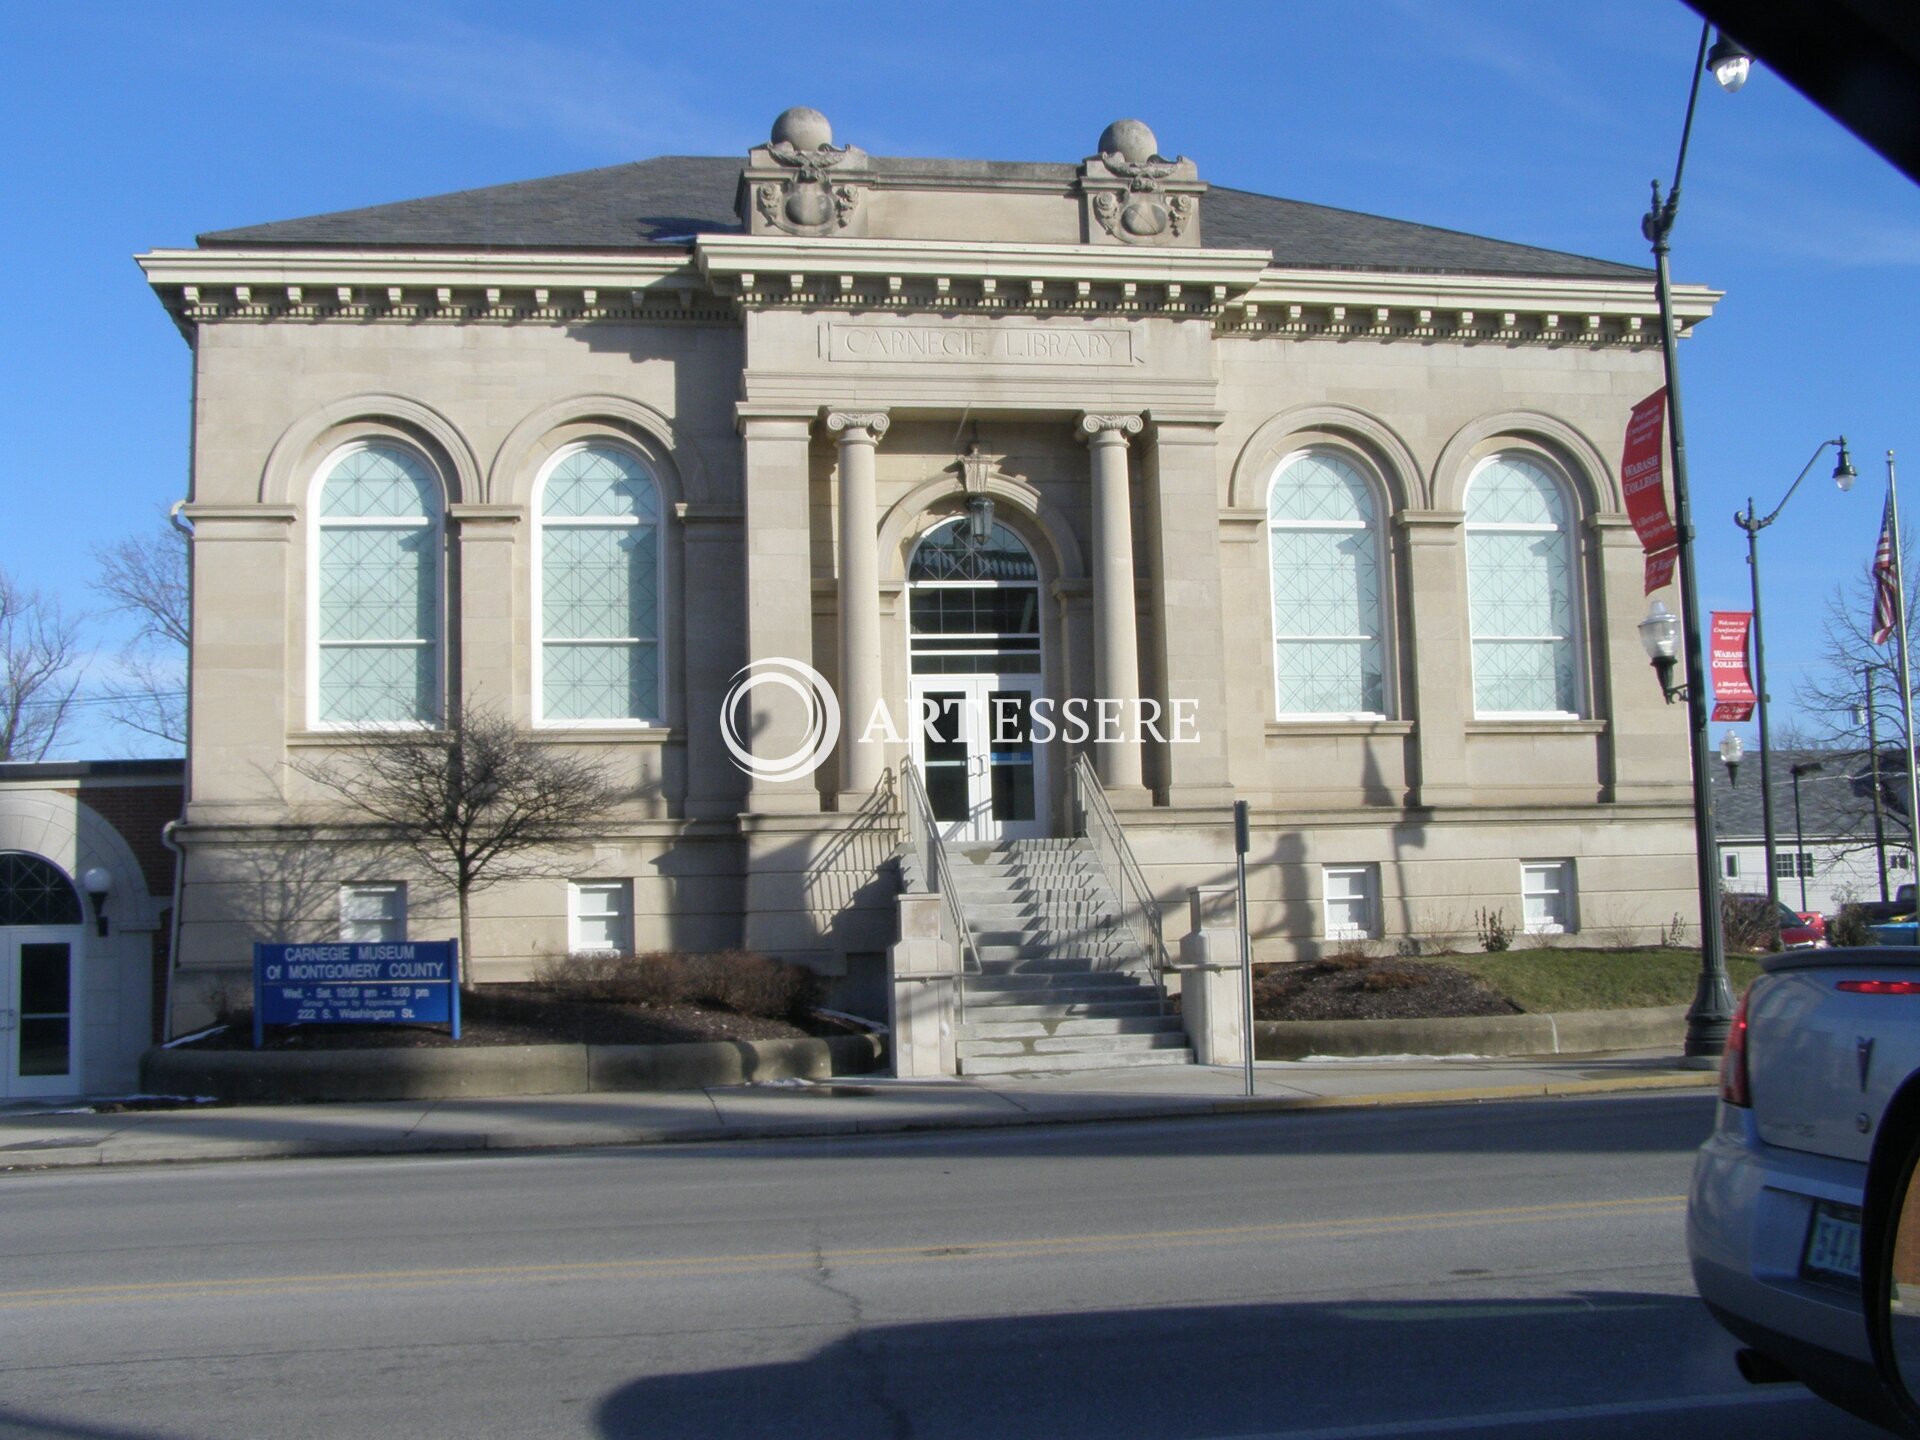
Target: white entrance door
[(39, 1054), (973, 741)]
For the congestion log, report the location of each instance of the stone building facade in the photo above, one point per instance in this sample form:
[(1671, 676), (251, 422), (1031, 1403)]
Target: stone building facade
[(1335, 495)]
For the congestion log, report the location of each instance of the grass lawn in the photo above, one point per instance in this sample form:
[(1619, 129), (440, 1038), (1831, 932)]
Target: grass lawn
[(1559, 980)]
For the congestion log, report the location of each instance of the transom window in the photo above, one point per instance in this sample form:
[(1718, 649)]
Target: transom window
[(378, 590), (1520, 590), (600, 590), (1323, 541), (973, 606), (35, 892)]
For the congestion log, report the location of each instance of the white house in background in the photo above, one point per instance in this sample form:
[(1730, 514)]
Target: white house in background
[(1832, 849)]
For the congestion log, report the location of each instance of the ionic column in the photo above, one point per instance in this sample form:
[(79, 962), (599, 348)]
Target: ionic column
[(1116, 641), (861, 765)]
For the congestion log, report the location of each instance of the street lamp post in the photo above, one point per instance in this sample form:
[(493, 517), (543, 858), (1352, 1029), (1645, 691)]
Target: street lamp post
[(1711, 1015), (1804, 767), (1843, 475)]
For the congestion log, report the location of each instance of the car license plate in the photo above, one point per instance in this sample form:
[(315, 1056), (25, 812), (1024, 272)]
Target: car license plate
[(1833, 1244)]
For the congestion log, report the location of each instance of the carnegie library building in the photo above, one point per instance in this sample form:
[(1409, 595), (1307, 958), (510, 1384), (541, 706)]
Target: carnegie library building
[(1097, 496)]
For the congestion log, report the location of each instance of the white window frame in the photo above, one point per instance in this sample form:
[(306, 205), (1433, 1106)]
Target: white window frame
[(1798, 864), (1382, 559), (622, 912), (1576, 603), (660, 721), (396, 919), (1566, 916), (1369, 897), (1730, 864), (317, 523)]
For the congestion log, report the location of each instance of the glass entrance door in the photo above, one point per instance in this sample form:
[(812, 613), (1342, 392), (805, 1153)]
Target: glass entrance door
[(974, 651), (37, 1032), (973, 739)]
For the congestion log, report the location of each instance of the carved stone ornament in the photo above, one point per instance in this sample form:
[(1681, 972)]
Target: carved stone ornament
[(1154, 199), (1122, 425), (874, 422), (803, 195), (978, 469)]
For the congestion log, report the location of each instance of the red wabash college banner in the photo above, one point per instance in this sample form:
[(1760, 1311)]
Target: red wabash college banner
[(1643, 477), (1733, 693)]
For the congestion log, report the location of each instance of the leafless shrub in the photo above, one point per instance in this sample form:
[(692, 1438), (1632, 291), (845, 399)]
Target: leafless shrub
[(735, 980)]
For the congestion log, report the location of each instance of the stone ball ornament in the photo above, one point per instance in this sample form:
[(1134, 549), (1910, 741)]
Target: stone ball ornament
[(1130, 139), (802, 127)]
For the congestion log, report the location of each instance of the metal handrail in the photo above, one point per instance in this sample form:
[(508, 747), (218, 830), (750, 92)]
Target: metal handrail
[(923, 837), (1095, 820)]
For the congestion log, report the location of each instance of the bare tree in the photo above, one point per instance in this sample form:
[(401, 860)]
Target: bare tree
[(145, 577), (39, 670), (1834, 698), (474, 804)]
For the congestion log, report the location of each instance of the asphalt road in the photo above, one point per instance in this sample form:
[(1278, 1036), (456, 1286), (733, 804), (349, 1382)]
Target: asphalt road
[(1502, 1270)]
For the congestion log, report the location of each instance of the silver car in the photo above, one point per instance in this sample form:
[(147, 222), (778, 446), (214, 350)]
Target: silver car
[(1819, 1105)]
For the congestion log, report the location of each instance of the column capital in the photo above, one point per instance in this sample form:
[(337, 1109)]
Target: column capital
[(1110, 428), (874, 422)]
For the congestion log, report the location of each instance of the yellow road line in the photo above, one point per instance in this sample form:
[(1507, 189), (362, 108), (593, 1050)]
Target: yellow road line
[(1334, 1228)]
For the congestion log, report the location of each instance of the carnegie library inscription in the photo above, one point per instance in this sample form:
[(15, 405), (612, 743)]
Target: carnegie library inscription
[(997, 345)]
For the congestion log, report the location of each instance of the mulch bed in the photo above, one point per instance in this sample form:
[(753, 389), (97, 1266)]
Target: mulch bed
[(526, 1014), (1350, 987)]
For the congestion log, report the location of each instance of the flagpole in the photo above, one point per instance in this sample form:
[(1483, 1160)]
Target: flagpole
[(1906, 673)]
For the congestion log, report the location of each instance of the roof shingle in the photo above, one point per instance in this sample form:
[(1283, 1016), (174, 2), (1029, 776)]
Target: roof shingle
[(667, 200)]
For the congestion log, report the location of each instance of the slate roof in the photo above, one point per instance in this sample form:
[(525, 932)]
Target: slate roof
[(667, 200), (1835, 802)]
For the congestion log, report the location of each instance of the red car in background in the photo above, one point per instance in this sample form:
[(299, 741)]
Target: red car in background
[(1745, 916)]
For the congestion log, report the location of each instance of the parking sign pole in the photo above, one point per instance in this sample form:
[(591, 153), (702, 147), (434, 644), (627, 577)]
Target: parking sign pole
[(1242, 842)]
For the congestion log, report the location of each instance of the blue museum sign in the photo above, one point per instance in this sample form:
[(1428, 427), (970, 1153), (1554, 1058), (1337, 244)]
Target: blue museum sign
[(357, 983)]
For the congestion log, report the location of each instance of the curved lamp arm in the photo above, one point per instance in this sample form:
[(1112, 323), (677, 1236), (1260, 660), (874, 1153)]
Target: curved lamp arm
[(1843, 472)]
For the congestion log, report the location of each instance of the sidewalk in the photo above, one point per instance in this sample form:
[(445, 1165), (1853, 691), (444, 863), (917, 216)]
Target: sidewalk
[(33, 1137)]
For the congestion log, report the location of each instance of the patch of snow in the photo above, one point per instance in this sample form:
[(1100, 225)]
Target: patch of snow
[(874, 1025), (189, 1039)]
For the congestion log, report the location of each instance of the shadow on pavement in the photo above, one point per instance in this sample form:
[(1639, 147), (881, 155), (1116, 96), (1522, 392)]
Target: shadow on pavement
[(1562, 1366)]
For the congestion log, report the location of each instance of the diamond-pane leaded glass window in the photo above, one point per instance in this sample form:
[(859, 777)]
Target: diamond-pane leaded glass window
[(600, 589), (1520, 590), (1323, 544), (378, 620), (35, 892)]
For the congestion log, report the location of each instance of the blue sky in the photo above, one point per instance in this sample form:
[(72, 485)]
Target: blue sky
[(135, 126)]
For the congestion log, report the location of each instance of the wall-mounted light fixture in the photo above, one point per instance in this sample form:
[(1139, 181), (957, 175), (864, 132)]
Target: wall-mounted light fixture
[(979, 518), (97, 883)]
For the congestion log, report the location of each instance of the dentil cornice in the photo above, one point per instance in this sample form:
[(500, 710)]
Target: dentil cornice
[(1239, 291)]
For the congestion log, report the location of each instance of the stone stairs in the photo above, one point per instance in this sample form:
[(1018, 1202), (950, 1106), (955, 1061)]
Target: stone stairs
[(1063, 984)]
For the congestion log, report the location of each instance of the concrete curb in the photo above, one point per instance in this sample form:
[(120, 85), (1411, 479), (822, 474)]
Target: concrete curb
[(138, 1151), (1577, 1032), (492, 1071)]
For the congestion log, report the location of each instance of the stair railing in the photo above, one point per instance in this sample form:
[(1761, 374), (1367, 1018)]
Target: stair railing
[(1095, 821), (923, 839)]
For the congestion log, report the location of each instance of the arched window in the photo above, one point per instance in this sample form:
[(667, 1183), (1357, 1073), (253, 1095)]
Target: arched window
[(378, 590), (1329, 623), (599, 590), (1520, 590), (35, 892)]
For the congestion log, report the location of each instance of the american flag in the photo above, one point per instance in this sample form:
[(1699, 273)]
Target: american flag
[(1886, 595)]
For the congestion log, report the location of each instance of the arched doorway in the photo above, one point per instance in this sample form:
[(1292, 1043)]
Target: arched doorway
[(973, 636), (40, 935)]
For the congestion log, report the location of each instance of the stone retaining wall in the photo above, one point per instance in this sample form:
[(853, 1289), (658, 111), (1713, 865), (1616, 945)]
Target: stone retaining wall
[(493, 1070)]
